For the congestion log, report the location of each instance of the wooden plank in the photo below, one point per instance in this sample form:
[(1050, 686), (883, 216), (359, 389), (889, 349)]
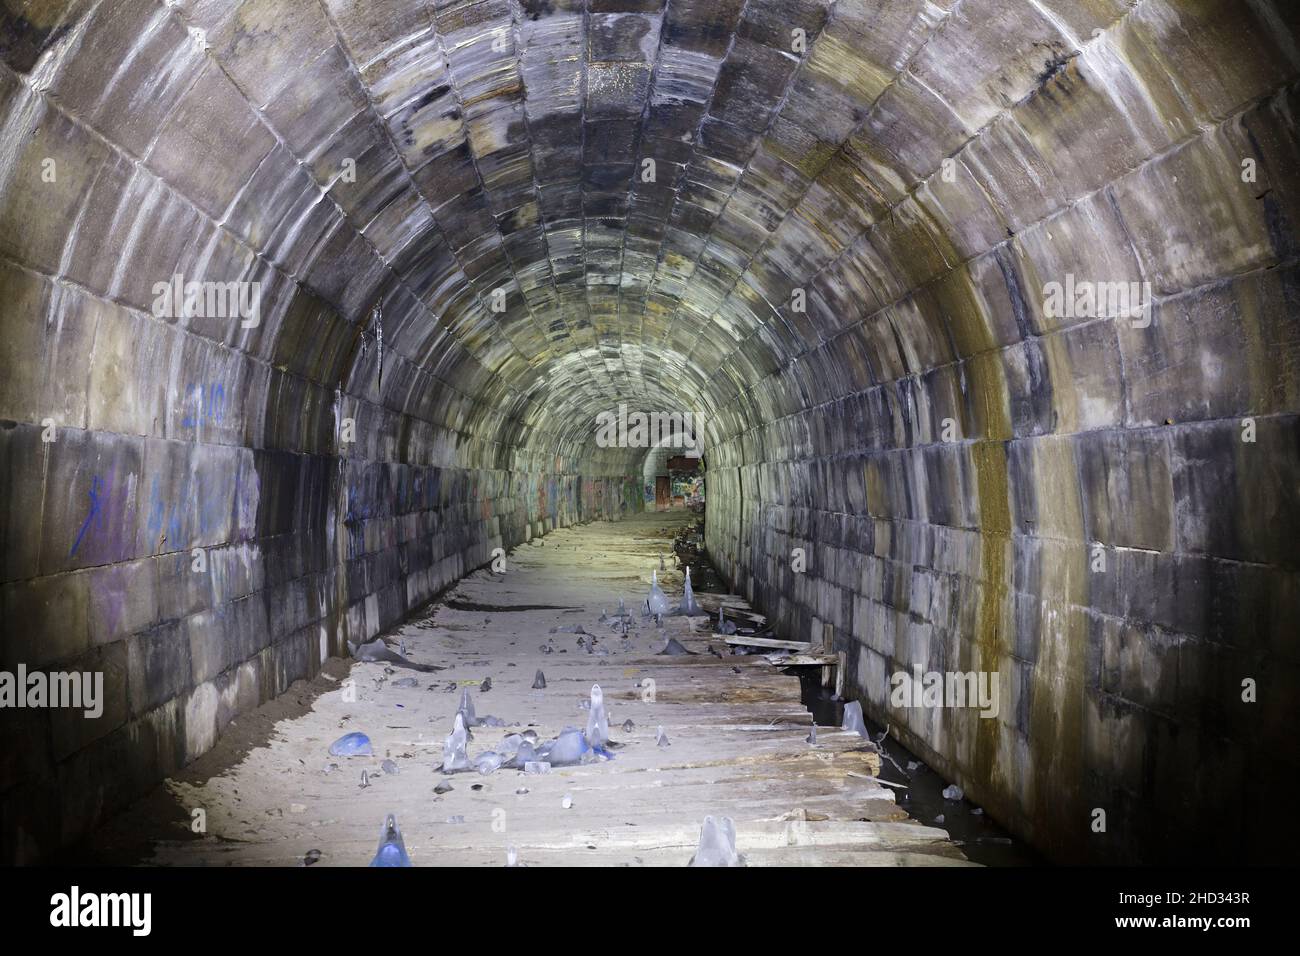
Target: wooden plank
[(740, 641), (802, 660), (737, 729)]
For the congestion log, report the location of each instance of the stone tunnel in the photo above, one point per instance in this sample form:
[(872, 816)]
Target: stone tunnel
[(986, 312)]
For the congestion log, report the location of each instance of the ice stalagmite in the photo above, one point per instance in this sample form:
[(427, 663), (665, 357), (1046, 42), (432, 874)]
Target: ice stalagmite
[(658, 601), (717, 844), (391, 851), (453, 750), (853, 719), (689, 606), (539, 682), (674, 648), (466, 708), (597, 720), (725, 626)]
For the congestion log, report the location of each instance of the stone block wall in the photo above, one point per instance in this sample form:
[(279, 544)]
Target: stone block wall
[(1102, 513), (134, 443)]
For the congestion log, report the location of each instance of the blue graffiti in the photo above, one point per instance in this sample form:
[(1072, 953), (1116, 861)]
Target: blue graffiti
[(209, 405), (97, 486)]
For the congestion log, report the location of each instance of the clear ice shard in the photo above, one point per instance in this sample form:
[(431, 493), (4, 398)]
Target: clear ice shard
[(597, 719), (658, 601), (661, 738), (453, 750), (853, 719), (355, 744), (490, 762), (717, 844), (525, 755), (391, 851), (566, 749)]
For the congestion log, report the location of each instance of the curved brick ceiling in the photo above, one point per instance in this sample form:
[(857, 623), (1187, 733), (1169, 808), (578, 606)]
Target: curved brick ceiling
[(499, 146), (918, 171)]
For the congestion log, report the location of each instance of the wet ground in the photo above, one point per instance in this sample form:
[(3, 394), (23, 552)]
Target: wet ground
[(981, 838)]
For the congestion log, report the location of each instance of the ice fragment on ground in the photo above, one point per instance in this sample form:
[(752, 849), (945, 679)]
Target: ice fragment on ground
[(391, 851), (566, 749), (539, 682), (952, 792), (717, 844), (355, 744), (489, 762)]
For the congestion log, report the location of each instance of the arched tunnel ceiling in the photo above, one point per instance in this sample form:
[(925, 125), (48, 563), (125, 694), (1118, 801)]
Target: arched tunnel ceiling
[(426, 155)]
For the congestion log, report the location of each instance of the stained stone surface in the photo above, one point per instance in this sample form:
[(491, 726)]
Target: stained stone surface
[(827, 228)]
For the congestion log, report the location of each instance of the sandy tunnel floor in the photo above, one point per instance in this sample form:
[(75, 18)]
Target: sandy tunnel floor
[(271, 793)]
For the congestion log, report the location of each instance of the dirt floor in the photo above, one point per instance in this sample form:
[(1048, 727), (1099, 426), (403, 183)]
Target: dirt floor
[(271, 794)]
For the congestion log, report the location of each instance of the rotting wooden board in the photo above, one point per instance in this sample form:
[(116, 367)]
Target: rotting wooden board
[(802, 660), (738, 745), (741, 641)]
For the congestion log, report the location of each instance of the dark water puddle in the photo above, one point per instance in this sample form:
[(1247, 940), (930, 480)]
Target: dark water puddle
[(981, 839), (503, 608), (688, 548)]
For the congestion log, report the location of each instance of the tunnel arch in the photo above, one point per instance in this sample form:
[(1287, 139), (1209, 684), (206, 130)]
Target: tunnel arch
[(842, 262)]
